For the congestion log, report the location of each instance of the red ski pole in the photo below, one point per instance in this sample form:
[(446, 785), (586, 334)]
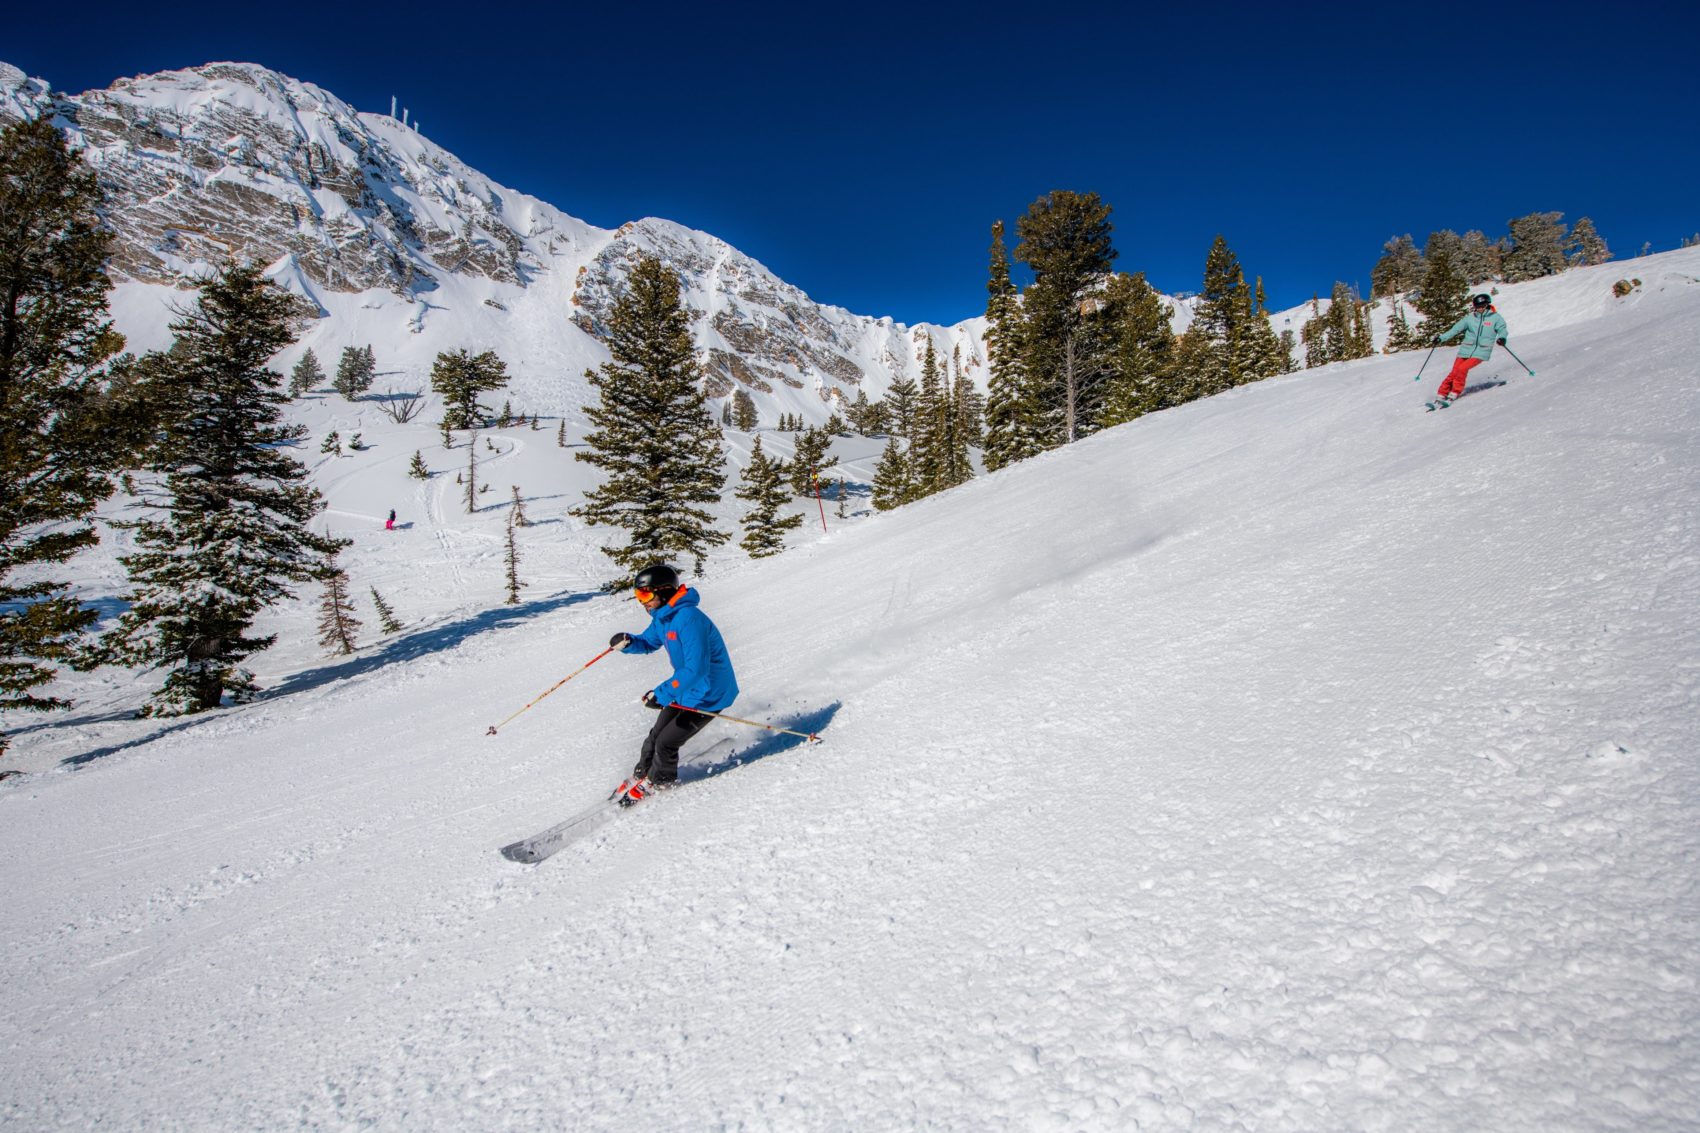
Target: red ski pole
[(553, 687)]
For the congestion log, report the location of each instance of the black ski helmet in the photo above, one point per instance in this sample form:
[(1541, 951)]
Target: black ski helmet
[(659, 579), (1481, 302)]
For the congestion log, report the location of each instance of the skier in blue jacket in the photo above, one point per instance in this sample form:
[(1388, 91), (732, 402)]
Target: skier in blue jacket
[(702, 676)]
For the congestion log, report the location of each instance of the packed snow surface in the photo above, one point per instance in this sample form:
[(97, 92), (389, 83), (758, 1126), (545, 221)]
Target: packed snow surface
[(1295, 760)]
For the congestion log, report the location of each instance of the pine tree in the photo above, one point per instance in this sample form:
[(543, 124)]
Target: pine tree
[(355, 371), (743, 410), (1400, 268), (894, 482), (1476, 259), (1537, 246), (1013, 426), (561, 435), (460, 377), (386, 616), (1289, 347), (930, 432), (507, 417), (306, 375), (1587, 247), (1445, 296), (1065, 240), (338, 626), (232, 532), (762, 487), (510, 561), (417, 469), (1399, 334), (1221, 320), (518, 515), (63, 392), (654, 438), (899, 402), (1142, 366), (472, 474), (332, 444), (809, 459), (1260, 350)]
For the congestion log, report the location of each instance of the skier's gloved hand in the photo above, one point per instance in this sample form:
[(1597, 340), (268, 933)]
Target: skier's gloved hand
[(650, 702), (619, 641), (1436, 341), (1501, 341)]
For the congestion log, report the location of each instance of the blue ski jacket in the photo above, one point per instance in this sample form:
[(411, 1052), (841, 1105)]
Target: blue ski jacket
[(702, 669), (1479, 331)]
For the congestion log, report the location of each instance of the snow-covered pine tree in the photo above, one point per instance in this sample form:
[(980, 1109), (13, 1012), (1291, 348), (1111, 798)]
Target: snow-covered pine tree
[(332, 444), (894, 483), (231, 533), (64, 430), (1537, 246), (653, 438), (1399, 269), (338, 627), (561, 435), (517, 516), (387, 620), (762, 487), (307, 374), (1586, 246), (1478, 259), (417, 469)]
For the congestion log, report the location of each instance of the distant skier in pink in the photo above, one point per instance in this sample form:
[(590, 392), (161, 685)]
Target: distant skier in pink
[(389, 524)]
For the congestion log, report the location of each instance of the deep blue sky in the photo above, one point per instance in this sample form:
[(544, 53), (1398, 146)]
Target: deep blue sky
[(863, 151)]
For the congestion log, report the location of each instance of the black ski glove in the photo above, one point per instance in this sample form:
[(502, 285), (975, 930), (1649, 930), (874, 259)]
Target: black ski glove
[(1501, 341), (650, 702), (619, 641), (1436, 341)]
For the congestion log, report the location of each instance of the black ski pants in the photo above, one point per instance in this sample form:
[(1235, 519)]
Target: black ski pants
[(660, 761)]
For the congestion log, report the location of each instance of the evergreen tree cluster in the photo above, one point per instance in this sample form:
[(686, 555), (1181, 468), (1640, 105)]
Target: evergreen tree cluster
[(1084, 348), (356, 370), (1535, 245), (933, 424), (1341, 333)]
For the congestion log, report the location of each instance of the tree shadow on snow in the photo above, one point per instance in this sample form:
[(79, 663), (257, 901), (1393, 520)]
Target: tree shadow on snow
[(420, 643), (424, 642), (772, 743)]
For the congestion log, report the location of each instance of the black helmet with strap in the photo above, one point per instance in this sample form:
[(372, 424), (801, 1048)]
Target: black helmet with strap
[(1481, 302), (659, 579)]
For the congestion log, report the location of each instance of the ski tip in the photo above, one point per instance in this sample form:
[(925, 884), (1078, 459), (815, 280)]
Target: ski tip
[(519, 852), (492, 730)]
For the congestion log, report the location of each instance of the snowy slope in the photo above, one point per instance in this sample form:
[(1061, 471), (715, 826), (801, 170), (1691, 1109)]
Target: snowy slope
[(1292, 760)]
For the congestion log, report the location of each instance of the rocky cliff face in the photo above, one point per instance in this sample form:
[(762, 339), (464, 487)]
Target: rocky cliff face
[(234, 160)]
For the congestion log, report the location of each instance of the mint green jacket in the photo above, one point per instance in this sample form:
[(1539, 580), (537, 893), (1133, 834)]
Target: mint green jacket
[(1479, 333)]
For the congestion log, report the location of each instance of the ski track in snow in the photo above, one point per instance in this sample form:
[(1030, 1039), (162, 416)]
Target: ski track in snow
[(1295, 760)]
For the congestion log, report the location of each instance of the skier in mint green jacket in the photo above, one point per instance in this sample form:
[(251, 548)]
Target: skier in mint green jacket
[(1481, 328)]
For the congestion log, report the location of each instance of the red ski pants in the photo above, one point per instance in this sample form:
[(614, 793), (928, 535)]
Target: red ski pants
[(1453, 386)]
